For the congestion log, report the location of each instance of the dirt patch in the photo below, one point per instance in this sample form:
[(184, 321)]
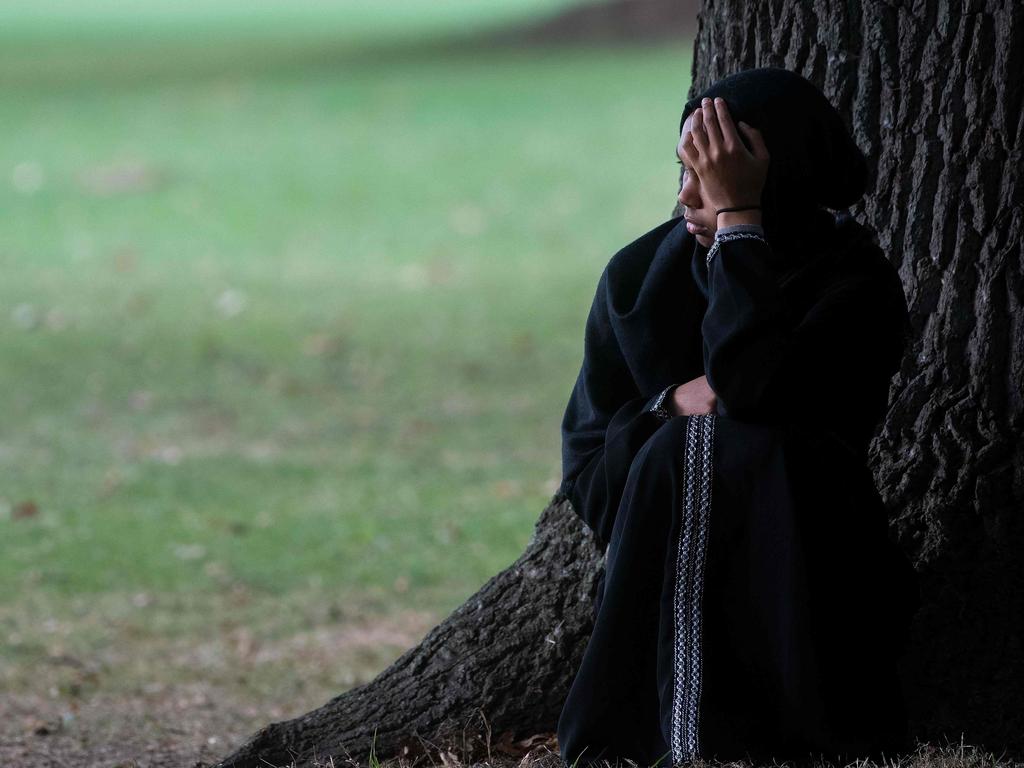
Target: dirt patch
[(177, 727), (137, 695)]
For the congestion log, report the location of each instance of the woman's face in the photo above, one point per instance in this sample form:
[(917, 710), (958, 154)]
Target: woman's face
[(705, 222)]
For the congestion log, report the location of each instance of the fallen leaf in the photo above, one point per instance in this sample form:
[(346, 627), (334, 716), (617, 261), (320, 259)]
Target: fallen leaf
[(24, 509)]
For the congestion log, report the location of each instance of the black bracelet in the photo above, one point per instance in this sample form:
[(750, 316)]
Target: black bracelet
[(738, 208)]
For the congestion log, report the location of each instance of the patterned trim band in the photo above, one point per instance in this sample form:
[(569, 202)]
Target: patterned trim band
[(721, 237), (660, 410), (689, 587)]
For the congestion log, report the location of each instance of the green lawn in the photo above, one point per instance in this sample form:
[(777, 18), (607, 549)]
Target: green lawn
[(307, 330), (355, 20)]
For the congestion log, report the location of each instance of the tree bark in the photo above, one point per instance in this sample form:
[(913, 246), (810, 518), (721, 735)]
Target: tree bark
[(933, 94)]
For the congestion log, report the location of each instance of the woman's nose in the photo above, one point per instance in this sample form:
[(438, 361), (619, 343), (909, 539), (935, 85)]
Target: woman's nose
[(688, 197)]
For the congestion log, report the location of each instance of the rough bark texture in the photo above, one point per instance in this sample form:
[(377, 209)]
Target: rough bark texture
[(934, 96)]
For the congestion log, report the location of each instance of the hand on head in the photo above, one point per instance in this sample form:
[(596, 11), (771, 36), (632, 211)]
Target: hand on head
[(730, 175)]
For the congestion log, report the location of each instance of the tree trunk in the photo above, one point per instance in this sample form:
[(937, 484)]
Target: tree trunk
[(934, 98)]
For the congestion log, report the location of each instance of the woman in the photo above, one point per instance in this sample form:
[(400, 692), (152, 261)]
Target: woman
[(736, 365)]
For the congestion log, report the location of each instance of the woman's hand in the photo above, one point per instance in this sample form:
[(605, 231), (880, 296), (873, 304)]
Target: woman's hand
[(729, 174), (693, 397)]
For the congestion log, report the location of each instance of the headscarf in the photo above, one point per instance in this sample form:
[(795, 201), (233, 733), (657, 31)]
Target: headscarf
[(815, 163)]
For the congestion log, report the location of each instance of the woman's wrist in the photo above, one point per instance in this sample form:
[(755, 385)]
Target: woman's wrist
[(752, 216)]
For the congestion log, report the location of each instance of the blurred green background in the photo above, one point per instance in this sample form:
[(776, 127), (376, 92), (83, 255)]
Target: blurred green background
[(293, 298)]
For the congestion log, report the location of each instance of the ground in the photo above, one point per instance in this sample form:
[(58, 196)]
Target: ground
[(174, 701)]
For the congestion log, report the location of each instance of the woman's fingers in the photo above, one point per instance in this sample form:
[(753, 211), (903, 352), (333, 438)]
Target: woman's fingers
[(760, 149), (714, 131), (730, 139), (689, 151), (700, 137)]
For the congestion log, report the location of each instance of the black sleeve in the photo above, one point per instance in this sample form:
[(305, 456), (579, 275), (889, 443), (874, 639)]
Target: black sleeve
[(606, 422), (765, 364), (597, 489)]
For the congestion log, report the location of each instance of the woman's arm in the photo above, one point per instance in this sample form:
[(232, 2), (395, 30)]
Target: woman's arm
[(765, 365), (835, 361)]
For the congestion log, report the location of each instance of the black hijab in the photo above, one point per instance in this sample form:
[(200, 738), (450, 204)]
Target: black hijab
[(815, 163)]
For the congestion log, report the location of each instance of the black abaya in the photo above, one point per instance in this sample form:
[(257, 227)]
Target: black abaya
[(752, 603)]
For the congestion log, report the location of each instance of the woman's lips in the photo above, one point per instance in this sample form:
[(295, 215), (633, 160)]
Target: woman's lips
[(694, 229)]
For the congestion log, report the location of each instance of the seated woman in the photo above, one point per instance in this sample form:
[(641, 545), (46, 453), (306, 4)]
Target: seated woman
[(737, 362)]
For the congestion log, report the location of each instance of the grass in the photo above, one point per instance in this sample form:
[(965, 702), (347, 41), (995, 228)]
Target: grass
[(68, 43), (285, 331), (349, 20), (314, 327)]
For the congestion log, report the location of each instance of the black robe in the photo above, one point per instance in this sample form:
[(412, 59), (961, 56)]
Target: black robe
[(752, 603)]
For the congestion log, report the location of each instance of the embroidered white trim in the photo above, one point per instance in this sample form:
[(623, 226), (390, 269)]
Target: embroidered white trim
[(726, 236), (658, 409), (689, 587)]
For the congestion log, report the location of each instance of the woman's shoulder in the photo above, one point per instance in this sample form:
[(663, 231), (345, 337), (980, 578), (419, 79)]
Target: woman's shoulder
[(846, 252), (865, 271), (857, 242), (850, 268), (859, 256)]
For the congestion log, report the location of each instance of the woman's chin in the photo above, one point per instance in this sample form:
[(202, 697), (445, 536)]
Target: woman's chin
[(705, 240)]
